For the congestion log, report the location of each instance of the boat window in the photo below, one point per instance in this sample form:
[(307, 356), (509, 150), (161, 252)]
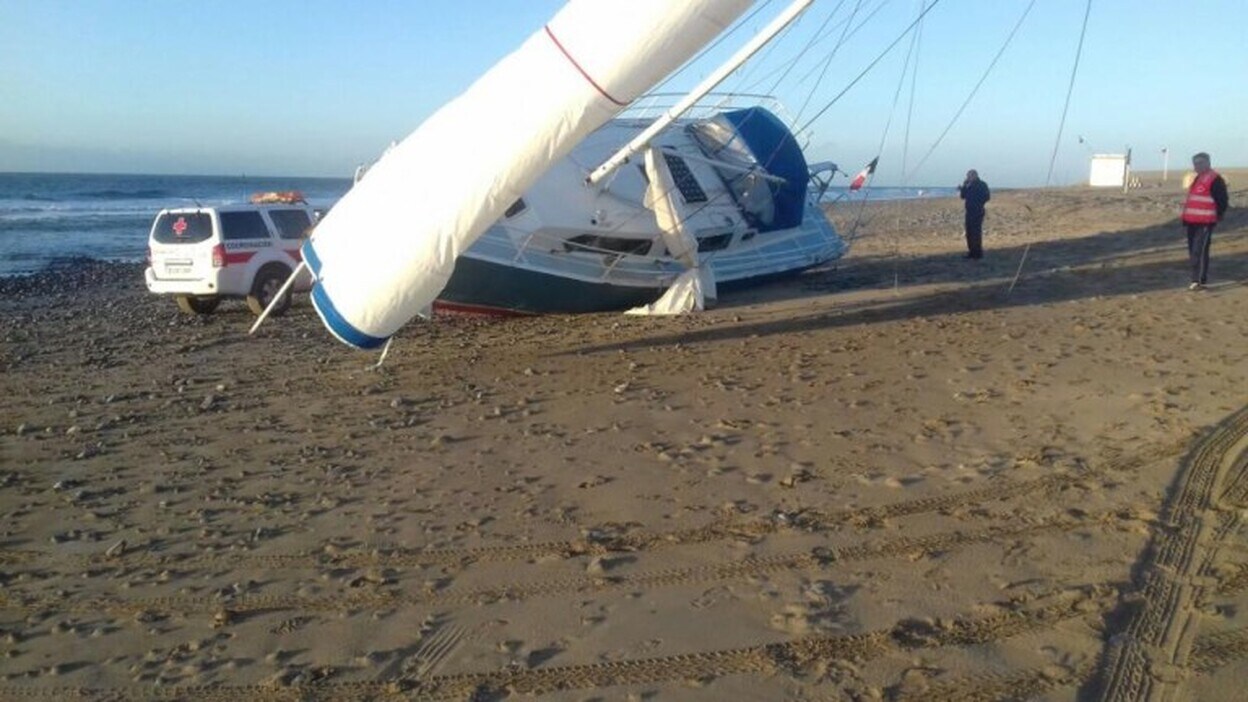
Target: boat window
[(179, 228), (607, 244), (243, 225), (685, 181), (752, 193), (291, 224), (714, 243), (516, 208)]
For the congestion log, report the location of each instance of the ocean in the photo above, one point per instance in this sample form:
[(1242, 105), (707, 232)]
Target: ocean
[(52, 218)]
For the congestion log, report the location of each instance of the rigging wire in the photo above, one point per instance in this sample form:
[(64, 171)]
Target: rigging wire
[(792, 63), (1061, 125), (786, 66), (762, 58), (892, 111), (914, 80), (871, 65), (975, 90), (846, 36), (711, 47), (828, 61), (1070, 89)]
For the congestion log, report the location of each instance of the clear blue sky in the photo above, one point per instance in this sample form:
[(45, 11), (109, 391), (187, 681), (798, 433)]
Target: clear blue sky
[(314, 87)]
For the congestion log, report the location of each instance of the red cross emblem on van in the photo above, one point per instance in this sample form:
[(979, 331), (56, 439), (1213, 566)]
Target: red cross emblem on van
[(179, 227)]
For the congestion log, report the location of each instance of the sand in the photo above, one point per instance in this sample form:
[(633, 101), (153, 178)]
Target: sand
[(891, 479)]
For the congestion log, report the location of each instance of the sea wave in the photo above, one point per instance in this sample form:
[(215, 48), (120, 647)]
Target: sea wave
[(111, 194), (40, 219)]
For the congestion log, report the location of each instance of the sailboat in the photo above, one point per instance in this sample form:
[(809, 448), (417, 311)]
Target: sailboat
[(567, 203)]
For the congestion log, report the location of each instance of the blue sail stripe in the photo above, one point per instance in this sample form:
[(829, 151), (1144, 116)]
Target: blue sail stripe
[(337, 325), (310, 257)]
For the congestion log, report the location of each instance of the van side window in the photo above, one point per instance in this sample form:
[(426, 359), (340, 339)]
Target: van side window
[(243, 225), (291, 224)]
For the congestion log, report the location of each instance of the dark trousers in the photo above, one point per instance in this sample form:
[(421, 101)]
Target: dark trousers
[(975, 233), (1199, 237)]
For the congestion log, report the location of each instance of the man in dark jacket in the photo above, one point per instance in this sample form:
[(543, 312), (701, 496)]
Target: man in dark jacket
[(1205, 204), (976, 194)]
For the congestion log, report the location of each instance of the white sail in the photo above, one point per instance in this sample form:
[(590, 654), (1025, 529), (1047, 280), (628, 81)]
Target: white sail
[(389, 246)]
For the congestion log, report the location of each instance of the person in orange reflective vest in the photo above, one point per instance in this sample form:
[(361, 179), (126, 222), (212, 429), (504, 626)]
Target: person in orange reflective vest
[(1202, 210)]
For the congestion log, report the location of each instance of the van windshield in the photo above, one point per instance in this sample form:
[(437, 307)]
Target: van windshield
[(182, 228)]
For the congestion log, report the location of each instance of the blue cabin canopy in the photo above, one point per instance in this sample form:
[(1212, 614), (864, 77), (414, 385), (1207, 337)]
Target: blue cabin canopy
[(755, 138)]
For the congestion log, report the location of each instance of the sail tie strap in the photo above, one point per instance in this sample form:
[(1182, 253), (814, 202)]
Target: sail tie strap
[(581, 70)]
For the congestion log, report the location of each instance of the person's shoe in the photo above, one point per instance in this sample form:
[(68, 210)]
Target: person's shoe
[(1196, 286)]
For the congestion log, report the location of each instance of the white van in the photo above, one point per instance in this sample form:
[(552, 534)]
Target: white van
[(203, 254)]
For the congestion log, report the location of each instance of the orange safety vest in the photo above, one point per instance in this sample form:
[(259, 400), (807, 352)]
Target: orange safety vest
[(1199, 208)]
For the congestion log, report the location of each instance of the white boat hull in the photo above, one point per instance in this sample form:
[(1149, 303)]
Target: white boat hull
[(570, 247)]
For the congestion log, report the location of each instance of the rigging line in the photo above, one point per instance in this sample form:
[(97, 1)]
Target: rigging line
[(761, 59), (1070, 89), (975, 90), (789, 64), (710, 47), (892, 111), (914, 79), (846, 37), (792, 63), (828, 62), (884, 139), (871, 65), (1061, 125)]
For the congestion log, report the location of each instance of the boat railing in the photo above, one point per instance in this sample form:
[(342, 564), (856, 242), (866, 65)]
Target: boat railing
[(587, 262), (651, 106)]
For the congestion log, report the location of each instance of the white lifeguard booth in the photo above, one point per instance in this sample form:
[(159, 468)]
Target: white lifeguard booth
[(1109, 170)]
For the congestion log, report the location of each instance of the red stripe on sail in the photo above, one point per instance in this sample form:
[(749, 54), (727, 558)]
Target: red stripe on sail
[(577, 66)]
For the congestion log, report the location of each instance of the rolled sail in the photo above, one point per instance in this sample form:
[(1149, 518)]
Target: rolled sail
[(388, 247)]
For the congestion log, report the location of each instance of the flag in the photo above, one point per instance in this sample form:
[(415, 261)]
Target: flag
[(862, 175)]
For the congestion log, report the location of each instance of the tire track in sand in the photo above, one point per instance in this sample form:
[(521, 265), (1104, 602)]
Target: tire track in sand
[(1016, 617), (1147, 659), (809, 520), (227, 609), (1213, 651), (993, 687)]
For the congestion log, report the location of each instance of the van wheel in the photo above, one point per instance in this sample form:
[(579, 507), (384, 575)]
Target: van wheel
[(192, 304), (269, 281)]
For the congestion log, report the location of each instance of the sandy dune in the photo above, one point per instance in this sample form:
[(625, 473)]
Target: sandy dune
[(894, 479)]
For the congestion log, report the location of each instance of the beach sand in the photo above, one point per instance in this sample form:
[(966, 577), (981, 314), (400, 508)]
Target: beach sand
[(890, 479)]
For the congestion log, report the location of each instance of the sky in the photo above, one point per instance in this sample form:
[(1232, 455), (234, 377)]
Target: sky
[(316, 87)]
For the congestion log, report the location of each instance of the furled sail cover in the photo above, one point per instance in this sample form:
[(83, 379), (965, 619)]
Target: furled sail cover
[(389, 245), (691, 290), (755, 137)]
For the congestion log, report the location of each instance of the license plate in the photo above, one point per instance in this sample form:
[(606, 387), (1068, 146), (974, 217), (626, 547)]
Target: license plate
[(178, 269)]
